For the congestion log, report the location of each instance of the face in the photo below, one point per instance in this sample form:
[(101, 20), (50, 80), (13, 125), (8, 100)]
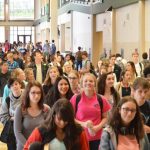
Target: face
[(110, 67), (135, 57), (38, 57), (31, 76), (127, 76), (112, 60), (88, 83), (110, 80), (68, 68), (35, 94), (99, 63), (15, 87), (140, 94), (73, 79), (127, 112), (21, 75), (129, 67), (63, 87), (59, 58), (59, 122), (4, 67), (67, 57), (53, 73)]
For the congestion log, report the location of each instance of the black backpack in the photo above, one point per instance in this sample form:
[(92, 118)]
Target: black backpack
[(99, 98)]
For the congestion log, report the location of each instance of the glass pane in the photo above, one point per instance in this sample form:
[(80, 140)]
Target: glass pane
[(21, 9), (20, 32), (21, 39), (28, 32), (27, 28), (27, 39), (1, 9), (20, 28)]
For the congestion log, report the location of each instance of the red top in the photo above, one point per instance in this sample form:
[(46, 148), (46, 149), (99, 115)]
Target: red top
[(36, 136)]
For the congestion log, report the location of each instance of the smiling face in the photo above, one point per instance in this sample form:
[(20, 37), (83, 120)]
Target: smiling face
[(15, 87), (53, 73), (88, 83), (35, 95), (63, 87), (110, 80), (127, 76), (127, 112), (73, 80)]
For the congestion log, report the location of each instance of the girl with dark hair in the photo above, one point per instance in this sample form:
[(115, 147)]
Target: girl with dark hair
[(106, 88), (61, 89), (60, 130), (30, 114), (131, 67), (124, 87), (51, 76), (125, 132)]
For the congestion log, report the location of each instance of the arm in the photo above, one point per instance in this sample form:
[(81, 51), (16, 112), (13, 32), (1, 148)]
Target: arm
[(96, 128), (35, 136), (147, 128), (84, 141), (105, 141), (18, 123), (4, 114)]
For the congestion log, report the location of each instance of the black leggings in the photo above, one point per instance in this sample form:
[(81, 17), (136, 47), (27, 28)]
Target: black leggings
[(94, 145)]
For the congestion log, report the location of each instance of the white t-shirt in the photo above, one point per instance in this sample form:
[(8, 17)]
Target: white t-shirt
[(55, 144), (39, 73)]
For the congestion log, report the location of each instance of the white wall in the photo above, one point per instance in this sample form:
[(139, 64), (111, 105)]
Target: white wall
[(147, 26), (127, 29), (82, 31), (104, 23)]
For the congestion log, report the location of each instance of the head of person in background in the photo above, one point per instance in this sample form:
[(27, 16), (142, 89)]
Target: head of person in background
[(4, 67), (29, 74), (51, 76), (74, 80), (84, 55), (38, 57), (61, 89), (112, 59), (67, 68), (147, 73), (140, 88), (10, 57), (105, 86), (60, 60), (67, 57), (135, 57), (128, 124)]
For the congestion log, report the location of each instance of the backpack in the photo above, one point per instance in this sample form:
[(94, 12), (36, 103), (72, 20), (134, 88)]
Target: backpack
[(99, 98)]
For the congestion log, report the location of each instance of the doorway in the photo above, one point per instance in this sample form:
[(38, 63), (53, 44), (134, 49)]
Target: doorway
[(24, 38)]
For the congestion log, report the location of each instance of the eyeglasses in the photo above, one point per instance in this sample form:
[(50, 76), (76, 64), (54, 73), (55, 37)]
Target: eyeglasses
[(73, 78), (126, 110), (34, 93)]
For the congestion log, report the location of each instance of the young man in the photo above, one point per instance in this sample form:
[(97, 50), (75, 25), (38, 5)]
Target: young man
[(138, 66), (139, 91)]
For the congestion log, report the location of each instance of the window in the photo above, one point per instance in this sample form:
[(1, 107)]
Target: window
[(21, 9), (1, 9)]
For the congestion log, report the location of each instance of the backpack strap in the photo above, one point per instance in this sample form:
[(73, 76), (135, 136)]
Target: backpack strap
[(100, 101), (8, 102), (77, 102)]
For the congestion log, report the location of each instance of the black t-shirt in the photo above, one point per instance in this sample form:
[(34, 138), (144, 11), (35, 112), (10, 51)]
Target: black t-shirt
[(126, 91), (145, 111)]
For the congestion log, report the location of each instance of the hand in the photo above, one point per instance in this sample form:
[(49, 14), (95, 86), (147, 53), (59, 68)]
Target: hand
[(146, 129), (46, 108), (89, 124)]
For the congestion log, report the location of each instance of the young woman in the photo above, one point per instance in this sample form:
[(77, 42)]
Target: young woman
[(60, 130), (125, 132), (67, 68), (29, 74), (89, 113), (50, 79), (73, 78), (30, 114), (9, 107), (131, 67), (106, 88), (61, 89), (124, 87)]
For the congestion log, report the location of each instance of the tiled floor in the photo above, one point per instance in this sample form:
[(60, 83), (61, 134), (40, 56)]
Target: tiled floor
[(2, 145)]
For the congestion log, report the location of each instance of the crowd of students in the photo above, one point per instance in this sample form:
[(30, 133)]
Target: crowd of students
[(63, 103)]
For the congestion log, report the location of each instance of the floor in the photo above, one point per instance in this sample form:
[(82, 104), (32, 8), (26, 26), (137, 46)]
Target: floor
[(2, 145)]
